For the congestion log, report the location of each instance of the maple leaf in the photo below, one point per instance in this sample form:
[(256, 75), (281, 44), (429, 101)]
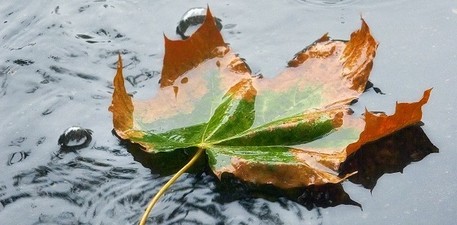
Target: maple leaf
[(290, 131)]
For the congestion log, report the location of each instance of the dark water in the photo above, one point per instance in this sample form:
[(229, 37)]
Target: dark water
[(57, 64)]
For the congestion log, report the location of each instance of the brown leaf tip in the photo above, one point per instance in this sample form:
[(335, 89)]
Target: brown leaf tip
[(119, 61), (361, 43), (377, 126), (183, 55), (122, 105)]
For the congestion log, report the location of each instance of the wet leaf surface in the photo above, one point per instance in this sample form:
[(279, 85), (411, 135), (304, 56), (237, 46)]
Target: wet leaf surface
[(390, 154), (102, 184), (291, 131)]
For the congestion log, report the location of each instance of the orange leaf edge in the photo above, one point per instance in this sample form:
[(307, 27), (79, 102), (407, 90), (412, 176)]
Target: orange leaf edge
[(378, 126), (284, 176), (183, 55), (121, 105), (361, 42)]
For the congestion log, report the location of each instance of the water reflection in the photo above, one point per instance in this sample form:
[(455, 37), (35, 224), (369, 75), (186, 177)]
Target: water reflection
[(51, 78), (230, 189), (388, 155), (200, 198)]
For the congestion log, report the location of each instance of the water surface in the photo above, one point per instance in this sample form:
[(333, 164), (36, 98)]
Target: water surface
[(57, 65)]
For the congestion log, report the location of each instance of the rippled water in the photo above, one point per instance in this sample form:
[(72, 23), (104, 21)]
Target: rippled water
[(57, 64)]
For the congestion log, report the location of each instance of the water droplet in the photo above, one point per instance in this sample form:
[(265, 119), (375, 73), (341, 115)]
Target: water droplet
[(75, 138), (192, 19)]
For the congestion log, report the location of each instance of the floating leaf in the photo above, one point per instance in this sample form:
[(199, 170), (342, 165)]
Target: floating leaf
[(290, 131)]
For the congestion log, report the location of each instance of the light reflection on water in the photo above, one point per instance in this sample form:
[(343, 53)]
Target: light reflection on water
[(57, 64)]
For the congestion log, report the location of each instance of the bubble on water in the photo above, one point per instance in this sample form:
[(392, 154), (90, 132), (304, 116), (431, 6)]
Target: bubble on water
[(75, 138), (191, 20)]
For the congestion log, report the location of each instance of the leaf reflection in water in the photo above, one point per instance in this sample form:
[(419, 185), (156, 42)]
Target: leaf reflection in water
[(390, 154)]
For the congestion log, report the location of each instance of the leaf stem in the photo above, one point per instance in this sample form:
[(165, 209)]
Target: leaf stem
[(168, 184)]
